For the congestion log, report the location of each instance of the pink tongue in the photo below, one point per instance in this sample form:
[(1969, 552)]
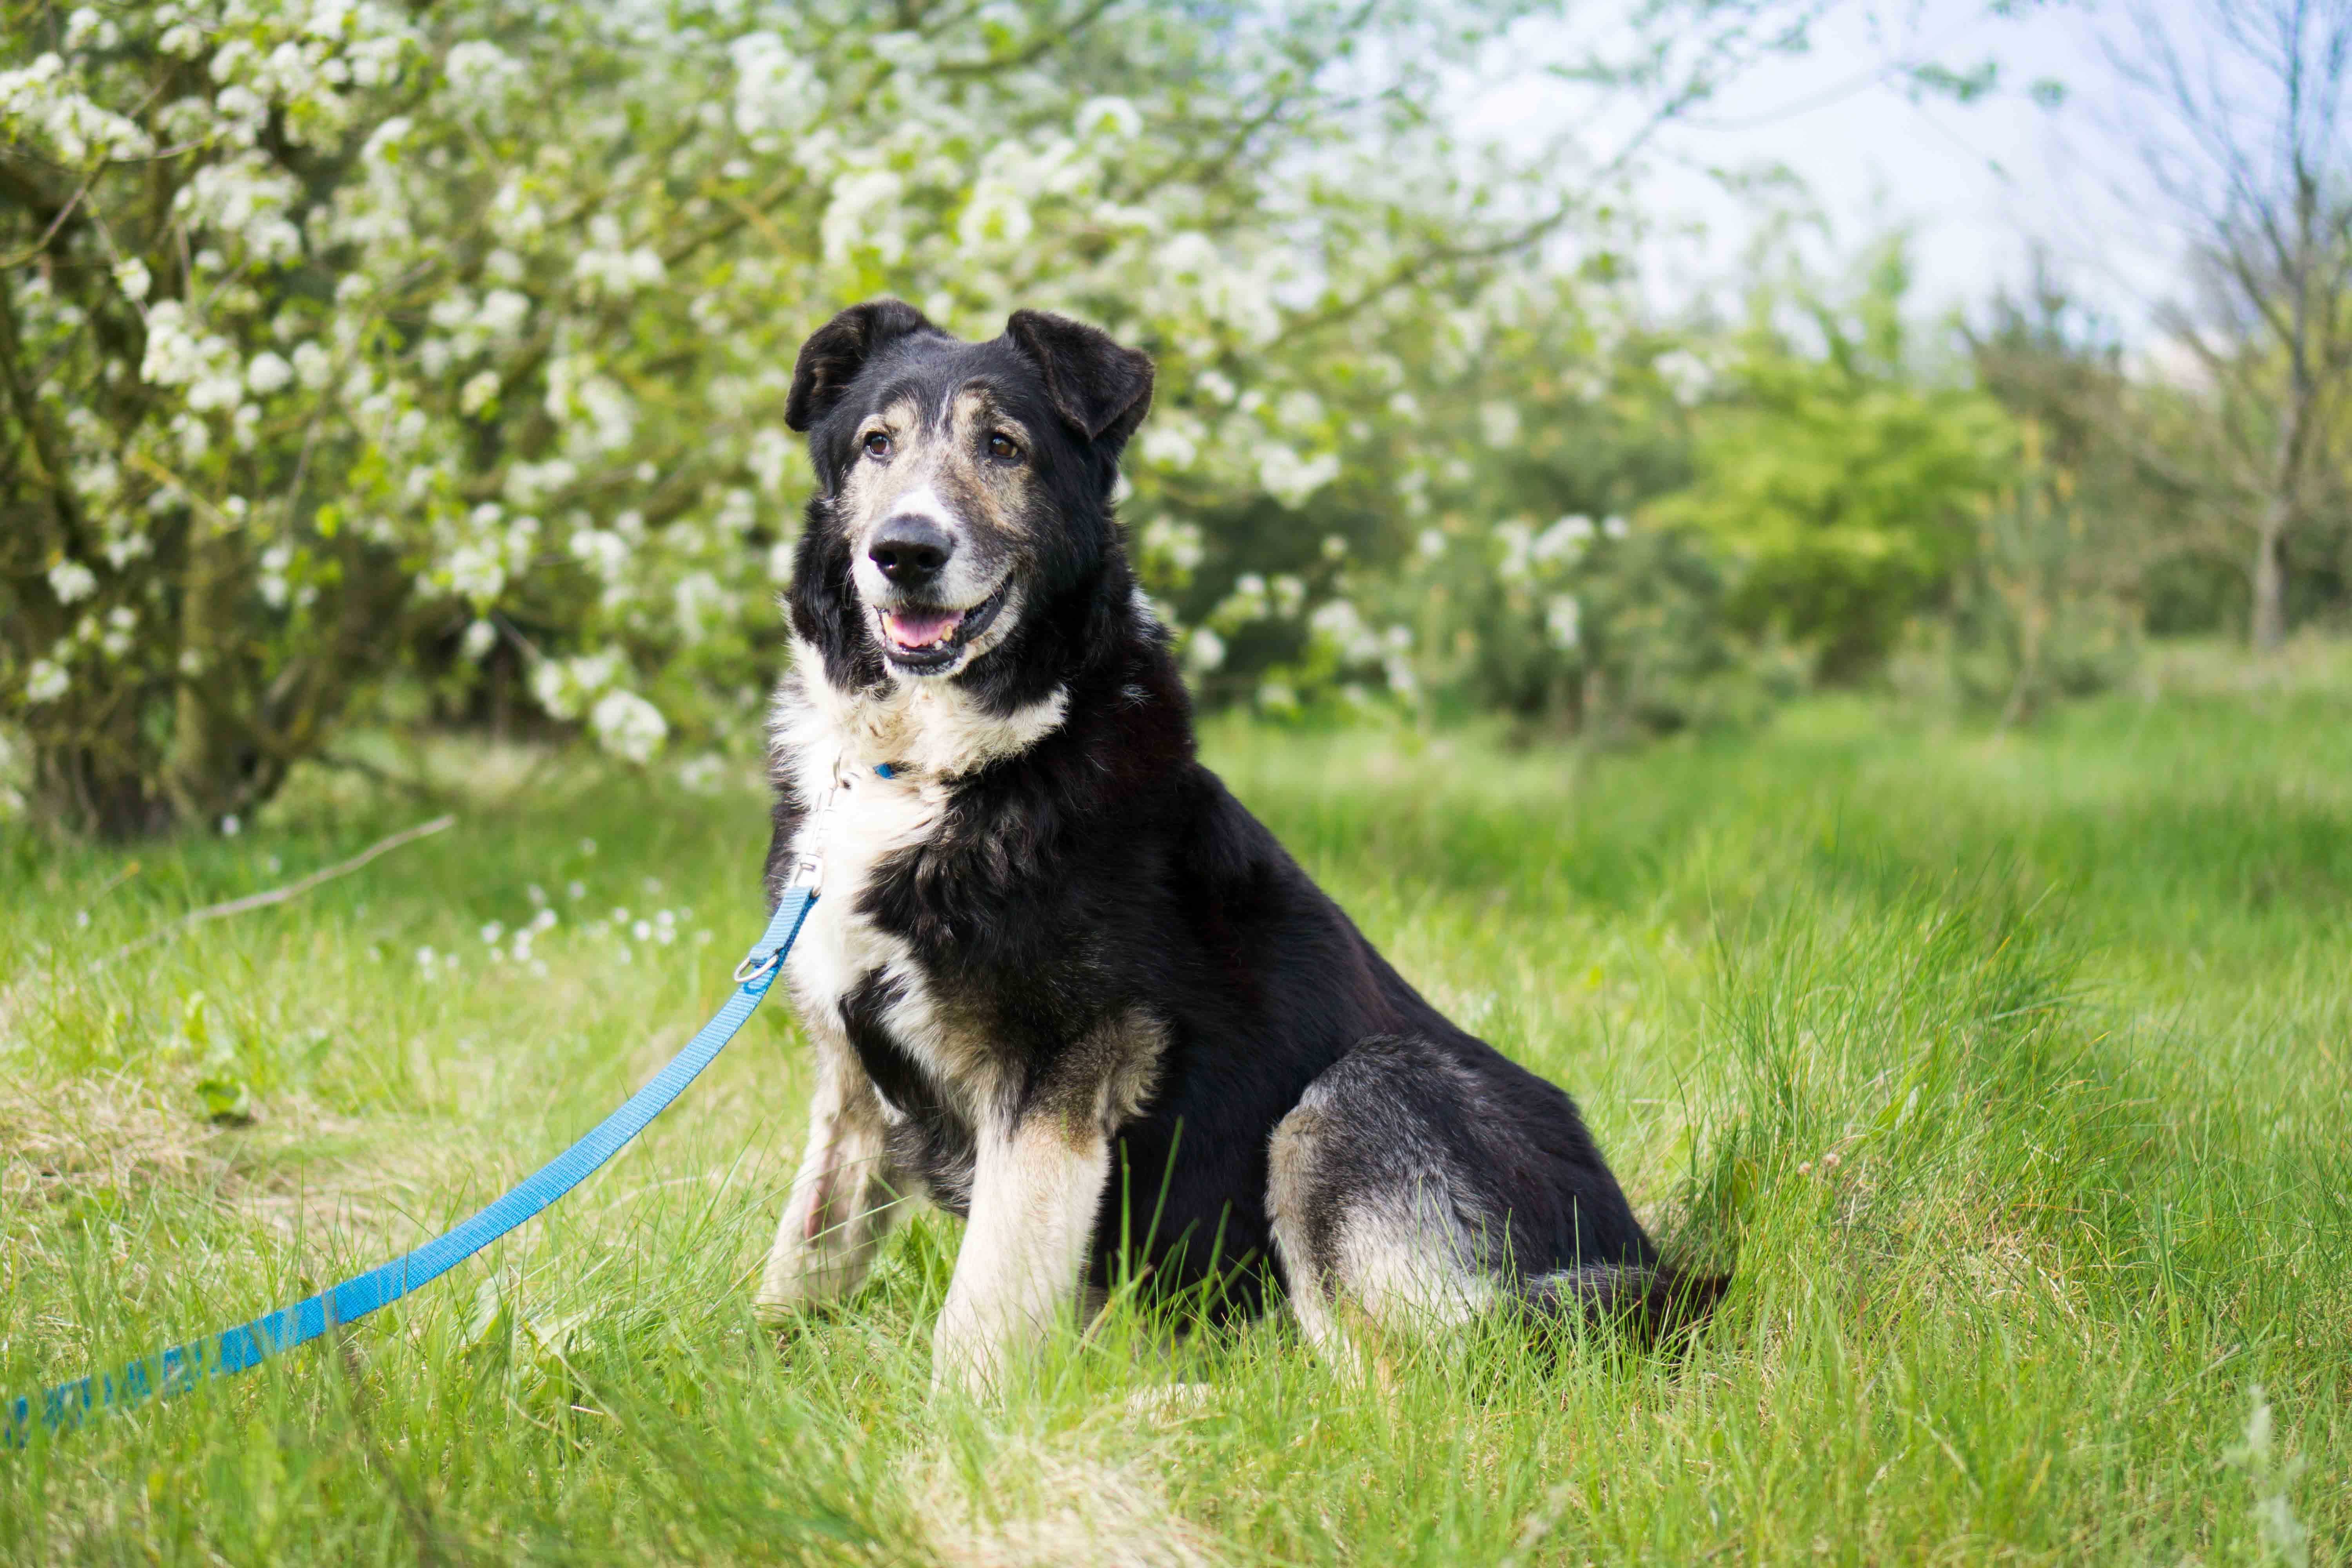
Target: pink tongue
[(922, 631)]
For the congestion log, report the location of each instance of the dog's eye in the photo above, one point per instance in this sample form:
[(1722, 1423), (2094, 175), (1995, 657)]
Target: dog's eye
[(877, 443), (1004, 447)]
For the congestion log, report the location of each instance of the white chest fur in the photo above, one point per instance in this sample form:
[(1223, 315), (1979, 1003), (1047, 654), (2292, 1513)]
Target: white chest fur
[(831, 745)]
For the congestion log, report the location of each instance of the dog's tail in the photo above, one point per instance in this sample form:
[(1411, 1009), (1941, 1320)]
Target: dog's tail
[(1660, 1305)]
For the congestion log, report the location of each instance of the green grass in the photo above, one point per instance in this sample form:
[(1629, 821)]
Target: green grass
[(2012, 1068)]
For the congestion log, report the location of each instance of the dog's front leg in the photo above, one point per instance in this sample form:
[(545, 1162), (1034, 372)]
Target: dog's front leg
[(842, 1203), (1036, 1185)]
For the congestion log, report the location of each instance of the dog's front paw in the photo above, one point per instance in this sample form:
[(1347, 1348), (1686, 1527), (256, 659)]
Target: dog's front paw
[(792, 1283), (966, 1359)]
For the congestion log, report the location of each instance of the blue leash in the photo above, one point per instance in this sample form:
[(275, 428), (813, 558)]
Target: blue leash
[(181, 1367)]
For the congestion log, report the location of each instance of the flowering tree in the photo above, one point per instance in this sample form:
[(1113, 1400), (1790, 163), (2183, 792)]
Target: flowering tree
[(340, 339)]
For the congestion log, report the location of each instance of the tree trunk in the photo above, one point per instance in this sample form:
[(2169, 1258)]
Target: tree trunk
[(205, 773), (2269, 620), (99, 786)]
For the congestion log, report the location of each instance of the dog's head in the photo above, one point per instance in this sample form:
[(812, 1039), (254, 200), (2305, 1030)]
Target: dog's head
[(963, 489)]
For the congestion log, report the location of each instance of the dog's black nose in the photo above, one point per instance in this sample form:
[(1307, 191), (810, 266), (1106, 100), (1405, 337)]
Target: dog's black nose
[(910, 550)]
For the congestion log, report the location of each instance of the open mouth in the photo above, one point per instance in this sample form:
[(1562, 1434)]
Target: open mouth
[(923, 638)]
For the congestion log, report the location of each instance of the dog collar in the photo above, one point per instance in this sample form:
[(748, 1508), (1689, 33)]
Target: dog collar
[(808, 870)]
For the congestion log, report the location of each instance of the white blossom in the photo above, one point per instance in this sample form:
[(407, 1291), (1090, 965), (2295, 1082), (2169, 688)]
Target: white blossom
[(862, 214), (1172, 440), (1204, 650), (1563, 622), (46, 681), (313, 365), (72, 582), (1687, 376), (267, 372), (773, 91), (565, 686), (1290, 478), (480, 72), (479, 388), (1110, 118), (628, 726), (995, 216), (1563, 540), (1499, 424)]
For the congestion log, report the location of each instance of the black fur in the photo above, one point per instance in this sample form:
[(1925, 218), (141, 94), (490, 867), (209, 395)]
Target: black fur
[(1105, 872)]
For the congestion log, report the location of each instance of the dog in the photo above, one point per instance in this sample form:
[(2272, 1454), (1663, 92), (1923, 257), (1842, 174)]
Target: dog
[(1057, 980)]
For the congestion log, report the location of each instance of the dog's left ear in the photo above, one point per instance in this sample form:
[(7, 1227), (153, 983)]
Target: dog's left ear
[(1100, 387)]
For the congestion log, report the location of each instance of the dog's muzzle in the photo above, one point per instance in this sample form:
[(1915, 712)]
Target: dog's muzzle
[(924, 638)]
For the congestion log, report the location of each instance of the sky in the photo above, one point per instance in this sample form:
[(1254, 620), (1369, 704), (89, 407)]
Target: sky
[(1977, 185)]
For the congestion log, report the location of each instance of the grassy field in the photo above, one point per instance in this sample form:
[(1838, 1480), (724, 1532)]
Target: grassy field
[(2011, 1069)]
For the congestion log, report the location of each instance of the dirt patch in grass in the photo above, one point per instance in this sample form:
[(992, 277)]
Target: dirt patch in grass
[(83, 1136)]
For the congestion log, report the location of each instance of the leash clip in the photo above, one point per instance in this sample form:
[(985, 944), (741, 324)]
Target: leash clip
[(756, 965)]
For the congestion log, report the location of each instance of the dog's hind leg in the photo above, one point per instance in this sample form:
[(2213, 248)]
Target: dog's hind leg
[(842, 1202), (1367, 1209), (1419, 1183)]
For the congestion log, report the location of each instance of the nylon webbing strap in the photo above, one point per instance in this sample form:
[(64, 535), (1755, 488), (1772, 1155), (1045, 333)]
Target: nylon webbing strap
[(247, 1345)]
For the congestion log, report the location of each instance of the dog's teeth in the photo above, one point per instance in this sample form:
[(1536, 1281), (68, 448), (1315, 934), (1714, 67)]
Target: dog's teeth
[(913, 632)]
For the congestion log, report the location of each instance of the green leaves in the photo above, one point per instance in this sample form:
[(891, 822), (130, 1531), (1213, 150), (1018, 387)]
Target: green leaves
[(1845, 476)]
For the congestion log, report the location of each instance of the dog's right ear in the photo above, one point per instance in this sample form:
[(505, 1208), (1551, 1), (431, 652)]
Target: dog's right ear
[(838, 350)]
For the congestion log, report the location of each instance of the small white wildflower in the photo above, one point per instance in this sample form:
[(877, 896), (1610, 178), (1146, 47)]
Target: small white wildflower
[(575, 892), (492, 933), (230, 827)]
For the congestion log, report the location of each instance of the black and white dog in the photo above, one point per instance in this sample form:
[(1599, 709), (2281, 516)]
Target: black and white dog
[(1058, 981)]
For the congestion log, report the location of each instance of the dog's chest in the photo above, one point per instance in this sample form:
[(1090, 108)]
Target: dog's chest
[(861, 821), (849, 975)]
